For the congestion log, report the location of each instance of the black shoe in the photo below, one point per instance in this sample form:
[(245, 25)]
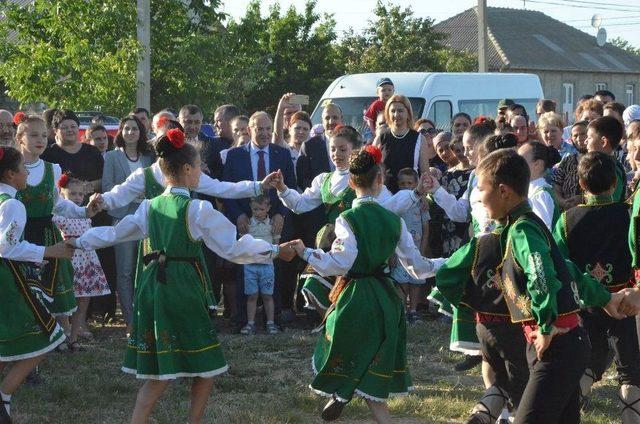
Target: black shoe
[(332, 409), (4, 415), (474, 419), (468, 363)]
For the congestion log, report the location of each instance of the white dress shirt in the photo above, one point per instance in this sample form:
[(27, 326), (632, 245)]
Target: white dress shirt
[(13, 218), (343, 253), (541, 201), (133, 187), (311, 198), (203, 223)]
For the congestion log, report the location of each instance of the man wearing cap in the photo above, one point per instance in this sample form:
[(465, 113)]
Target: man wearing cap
[(384, 91), (501, 117)]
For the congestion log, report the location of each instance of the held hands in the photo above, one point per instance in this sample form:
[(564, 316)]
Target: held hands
[(614, 305), (278, 182), (630, 303), (269, 181), (287, 252), (297, 246)]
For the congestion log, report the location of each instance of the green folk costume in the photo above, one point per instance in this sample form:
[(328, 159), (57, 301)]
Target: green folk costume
[(57, 275), (315, 286), (535, 289), (28, 329), (173, 335), (362, 349), (152, 189), (463, 336)]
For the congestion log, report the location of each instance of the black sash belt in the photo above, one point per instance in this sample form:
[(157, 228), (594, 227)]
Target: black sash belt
[(40, 312), (161, 258)]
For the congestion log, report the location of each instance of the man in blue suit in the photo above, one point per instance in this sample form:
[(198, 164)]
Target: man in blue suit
[(253, 162)]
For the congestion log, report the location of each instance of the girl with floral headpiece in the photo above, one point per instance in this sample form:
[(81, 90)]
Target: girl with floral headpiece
[(362, 348)]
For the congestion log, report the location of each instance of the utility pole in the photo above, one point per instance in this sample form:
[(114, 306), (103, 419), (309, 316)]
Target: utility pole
[(482, 35), (143, 72)]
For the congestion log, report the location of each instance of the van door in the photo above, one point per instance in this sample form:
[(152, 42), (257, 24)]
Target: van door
[(441, 111)]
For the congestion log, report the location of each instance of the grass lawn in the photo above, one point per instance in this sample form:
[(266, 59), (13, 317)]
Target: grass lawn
[(266, 383)]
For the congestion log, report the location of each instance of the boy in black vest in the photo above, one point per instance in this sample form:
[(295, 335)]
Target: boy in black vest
[(471, 277), (541, 292), (594, 236)]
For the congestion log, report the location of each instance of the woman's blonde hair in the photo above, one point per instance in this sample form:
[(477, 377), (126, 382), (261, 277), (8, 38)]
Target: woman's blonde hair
[(399, 98), (550, 119)]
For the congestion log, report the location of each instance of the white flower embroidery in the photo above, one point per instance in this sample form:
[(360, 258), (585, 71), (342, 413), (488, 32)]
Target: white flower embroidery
[(536, 267)]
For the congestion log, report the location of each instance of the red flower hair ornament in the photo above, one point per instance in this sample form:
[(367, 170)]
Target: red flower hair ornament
[(19, 118), (162, 122), (63, 181), (375, 153), (176, 138)]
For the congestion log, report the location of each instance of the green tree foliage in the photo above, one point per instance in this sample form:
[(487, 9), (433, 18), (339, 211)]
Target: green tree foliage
[(67, 53), (396, 40), (625, 45), (83, 54), (280, 52)]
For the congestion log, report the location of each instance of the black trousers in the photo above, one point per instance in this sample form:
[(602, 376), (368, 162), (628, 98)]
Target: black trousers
[(552, 395), (623, 334), (503, 346)]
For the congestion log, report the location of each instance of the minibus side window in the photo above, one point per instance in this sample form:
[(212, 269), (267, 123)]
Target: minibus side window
[(440, 113)]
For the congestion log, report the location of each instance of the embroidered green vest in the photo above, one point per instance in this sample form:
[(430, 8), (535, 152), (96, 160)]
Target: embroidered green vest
[(377, 232), (595, 236), (152, 188), (514, 279), (335, 204), (38, 200), (482, 291)]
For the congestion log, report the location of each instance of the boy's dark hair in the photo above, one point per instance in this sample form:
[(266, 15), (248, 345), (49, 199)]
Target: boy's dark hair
[(478, 132), (261, 199), (62, 115), (9, 160), (547, 154), (506, 167), (583, 123), (409, 172), (614, 106), (142, 145), (585, 97), (597, 171), (501, 141), (605, 93), (93, 128), (608, 127)]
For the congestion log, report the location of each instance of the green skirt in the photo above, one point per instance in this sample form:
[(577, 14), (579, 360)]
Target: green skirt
[(362, 348), (44, 232), (21, 337), (463, 332), (144, 248), (315, 290), (463, 336), (172, 334)]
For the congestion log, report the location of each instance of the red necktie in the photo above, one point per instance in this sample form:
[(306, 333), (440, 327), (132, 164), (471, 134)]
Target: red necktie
[(262, 171)]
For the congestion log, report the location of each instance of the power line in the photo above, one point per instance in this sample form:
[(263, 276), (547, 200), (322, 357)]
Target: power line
[(597, 3), (582, 6)]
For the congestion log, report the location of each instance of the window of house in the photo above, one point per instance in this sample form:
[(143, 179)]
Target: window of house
[(629, 94), (567, 101), (601, 86)]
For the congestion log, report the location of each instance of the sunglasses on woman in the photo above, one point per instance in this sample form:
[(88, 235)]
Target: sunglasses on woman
[(425, 131)]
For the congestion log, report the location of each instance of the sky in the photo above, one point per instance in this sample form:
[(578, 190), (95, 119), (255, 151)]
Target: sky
[(620, 18)]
